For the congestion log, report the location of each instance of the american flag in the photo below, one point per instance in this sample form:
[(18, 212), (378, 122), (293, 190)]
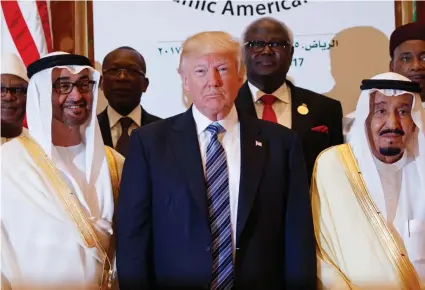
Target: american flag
[(26, 29)]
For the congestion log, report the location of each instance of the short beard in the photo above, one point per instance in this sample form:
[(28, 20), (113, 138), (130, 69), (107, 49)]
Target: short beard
[(390, 151)]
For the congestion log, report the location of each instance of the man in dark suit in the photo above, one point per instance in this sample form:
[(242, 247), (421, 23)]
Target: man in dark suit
[(267, 94), (123, 83), (213, 198)]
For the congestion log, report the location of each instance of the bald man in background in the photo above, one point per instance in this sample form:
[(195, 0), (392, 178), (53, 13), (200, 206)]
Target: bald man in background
[(269, 95), (123, 83), (14, 84)]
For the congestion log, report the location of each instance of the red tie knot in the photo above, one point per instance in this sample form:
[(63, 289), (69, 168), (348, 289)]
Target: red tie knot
[(268, 100)]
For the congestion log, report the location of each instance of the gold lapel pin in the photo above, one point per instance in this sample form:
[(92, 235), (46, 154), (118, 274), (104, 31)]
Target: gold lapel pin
[(303, 110)]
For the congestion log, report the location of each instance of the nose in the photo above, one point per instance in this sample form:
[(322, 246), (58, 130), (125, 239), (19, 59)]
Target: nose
[(122, 74), (393, 121), (418, 64), (214, 79), (75, 94), (267, 50)]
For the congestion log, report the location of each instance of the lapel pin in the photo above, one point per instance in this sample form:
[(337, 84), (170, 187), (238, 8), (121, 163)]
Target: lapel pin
[(258, 143), (303, 110)]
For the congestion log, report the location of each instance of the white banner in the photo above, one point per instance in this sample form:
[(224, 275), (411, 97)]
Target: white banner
[(337, 44)]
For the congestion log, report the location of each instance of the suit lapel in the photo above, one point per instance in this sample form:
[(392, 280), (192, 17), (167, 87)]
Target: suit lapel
[(187, 153), (298, 120), (244, 102), (105, 128), (253, 154)]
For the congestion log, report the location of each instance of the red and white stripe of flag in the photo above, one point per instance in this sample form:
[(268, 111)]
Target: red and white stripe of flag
[(26, 29)]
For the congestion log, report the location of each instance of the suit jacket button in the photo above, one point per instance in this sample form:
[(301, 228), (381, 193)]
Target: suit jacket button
[(208, 248)]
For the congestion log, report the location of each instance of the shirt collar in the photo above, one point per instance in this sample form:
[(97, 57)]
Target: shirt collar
[(229, 122), (281, 93), (114, 116)]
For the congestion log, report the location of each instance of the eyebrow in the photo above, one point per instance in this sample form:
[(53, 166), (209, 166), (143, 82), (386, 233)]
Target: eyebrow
[(67, 78), (380, 103)]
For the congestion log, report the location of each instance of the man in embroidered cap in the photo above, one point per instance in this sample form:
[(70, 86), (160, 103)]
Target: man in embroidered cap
[(368, 195), (407, 51), (58, 197), (14, 83)]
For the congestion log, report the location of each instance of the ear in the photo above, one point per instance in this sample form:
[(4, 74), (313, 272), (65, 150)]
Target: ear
[(185, 81), (145, 85), (101, 83), (391, 66)]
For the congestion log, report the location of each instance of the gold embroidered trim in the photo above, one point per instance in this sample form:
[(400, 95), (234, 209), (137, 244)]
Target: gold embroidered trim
[(115, 180), (113, 171), (315, 200), (67, 199), (407, 275)]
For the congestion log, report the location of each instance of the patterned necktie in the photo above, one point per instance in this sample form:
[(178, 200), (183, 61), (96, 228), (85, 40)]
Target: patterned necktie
[(219, 210), (268, 112), (122, 143)]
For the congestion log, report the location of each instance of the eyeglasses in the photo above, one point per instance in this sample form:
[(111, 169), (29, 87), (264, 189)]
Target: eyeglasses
[(64, 88), (259, 45), (131, 72), (14, 91)]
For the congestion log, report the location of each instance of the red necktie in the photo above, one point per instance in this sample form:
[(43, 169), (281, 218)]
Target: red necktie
[(268, 112)]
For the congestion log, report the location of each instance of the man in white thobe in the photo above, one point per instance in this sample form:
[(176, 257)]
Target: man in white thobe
[(407, 52), (368, 195), (58, 186), (14, 83)]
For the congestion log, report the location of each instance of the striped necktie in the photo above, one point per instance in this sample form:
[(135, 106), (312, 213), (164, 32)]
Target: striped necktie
[(219, 211)]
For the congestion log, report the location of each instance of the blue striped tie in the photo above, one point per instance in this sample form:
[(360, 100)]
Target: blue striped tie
[(219, 209)]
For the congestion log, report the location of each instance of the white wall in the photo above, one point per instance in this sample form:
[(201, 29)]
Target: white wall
[(157, 28)]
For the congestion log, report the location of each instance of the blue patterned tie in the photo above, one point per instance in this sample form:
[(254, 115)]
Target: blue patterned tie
[(219, 209)]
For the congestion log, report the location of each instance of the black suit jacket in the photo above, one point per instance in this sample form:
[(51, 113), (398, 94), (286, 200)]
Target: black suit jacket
[(163, 233), (105, 127), (322, 111)]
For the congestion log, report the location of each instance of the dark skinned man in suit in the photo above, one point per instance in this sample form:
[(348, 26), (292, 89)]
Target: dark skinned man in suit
[(267, 94), (123, 83)]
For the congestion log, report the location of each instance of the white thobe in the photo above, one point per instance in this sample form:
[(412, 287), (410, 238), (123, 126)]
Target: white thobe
[(41, 247)]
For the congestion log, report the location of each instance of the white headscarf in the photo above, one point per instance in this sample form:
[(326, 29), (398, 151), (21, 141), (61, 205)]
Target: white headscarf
[(12, 64), (39, 116), (414, 190)]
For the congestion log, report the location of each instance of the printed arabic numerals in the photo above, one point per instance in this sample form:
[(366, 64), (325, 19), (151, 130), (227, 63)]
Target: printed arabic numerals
[(297, 62)]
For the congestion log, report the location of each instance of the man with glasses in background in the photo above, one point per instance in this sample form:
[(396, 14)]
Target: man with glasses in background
[(123, 83), (14, 83), (267, 94)]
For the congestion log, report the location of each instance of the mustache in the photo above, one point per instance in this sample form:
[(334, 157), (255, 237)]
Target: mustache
[(392, 131), (8, 105), (81, 104)]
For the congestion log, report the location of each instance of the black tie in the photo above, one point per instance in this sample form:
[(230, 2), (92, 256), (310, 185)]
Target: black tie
[(122, 143)]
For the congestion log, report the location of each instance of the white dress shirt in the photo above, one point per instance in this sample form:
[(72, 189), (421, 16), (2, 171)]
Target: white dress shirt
[(230, 140), (281, 107), (115, 125)]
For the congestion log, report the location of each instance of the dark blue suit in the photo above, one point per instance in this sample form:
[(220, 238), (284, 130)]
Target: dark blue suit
[(163, 233)]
